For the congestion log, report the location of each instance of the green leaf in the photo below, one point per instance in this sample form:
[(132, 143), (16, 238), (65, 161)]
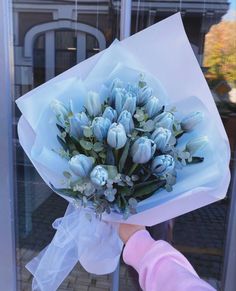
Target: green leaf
[(178, 134), (142, 83), (94, 154), (87, 131), (66, 192), (124, 156), (67, 174), (87, 145), (148, 188), (112, 171), (98, 147), (102, 155), (61, 129), (196, 160), (62, 143)]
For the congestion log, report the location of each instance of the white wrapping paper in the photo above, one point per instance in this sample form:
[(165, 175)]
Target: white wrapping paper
[(164, 53)]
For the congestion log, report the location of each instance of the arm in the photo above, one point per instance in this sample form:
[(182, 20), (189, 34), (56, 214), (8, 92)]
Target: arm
[(160, 266)]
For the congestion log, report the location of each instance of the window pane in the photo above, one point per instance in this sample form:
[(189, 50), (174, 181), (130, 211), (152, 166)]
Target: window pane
[(201, 234), (49, 39)]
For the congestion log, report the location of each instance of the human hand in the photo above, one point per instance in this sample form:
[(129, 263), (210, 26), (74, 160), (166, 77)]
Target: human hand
[(127, 230)]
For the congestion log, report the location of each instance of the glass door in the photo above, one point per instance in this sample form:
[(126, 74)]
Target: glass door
[(49, 38)]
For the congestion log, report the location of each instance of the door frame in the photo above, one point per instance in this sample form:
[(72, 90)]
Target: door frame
[(8, 274)]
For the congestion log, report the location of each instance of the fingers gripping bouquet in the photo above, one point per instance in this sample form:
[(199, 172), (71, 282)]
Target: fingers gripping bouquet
[(131, 135), (123, 150)]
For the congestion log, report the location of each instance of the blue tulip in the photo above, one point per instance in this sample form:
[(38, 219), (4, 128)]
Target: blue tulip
[(162, 165), (124, 100), (165, 119), (142, 150), (77, 121), (196, 144), (126, 120), (81, 165), (110, 113), (161, 137), (60, 111), (153, 106), (191, 120), (100, 126), (93, 104), (99, 176), (116, 83), (130, 103), (144, 95), (116, 137)]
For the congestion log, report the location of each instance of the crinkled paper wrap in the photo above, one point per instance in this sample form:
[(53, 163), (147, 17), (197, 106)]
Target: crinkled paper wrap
[(164, 54)]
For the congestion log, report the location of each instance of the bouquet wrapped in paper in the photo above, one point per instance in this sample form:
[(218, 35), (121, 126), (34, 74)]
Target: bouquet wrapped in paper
[(131, 135)]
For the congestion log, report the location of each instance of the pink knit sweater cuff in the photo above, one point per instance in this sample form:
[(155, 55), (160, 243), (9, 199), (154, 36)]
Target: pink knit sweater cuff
[(136, 247)]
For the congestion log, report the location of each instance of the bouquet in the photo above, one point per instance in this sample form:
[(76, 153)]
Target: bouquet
[(130, 135), (123, 150)]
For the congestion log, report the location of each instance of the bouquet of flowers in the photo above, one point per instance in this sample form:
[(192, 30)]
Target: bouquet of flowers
[(130, 135), (123, 150)]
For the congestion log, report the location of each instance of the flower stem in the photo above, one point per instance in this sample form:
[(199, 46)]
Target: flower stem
[(117, 156), (133, 168)]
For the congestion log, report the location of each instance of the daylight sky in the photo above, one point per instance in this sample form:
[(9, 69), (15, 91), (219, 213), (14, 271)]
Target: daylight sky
[(231, 14)]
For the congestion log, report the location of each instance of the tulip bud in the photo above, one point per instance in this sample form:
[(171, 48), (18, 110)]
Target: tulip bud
[(196, 144), (153, 106), (116, 137), (81, 165), (77, 122), (110, 113), (60, 110), (130, 103), (119, 95), (124, 100), (162, 165), (191, 120), (161, 137), (116, 83), (144, 95), (93, 104), (126, 120), (142, 150), (165, 119), (100, 127), (99, 176)]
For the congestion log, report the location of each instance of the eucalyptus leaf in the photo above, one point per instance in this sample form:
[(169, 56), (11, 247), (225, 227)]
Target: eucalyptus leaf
[(87, 131), (87, 145), (67, 174), (98, 147), (112, 171), (66, 192), (102, 155)]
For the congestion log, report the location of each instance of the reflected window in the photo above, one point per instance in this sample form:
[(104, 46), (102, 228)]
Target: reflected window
[(65, 50), (39, 61)]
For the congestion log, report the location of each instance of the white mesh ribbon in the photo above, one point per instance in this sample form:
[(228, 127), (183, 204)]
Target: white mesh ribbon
[(80, 236)]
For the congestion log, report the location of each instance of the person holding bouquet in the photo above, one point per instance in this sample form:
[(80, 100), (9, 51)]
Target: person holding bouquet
[(160, 266)]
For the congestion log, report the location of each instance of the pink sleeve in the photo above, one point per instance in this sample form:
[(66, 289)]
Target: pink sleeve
[(160, 266)]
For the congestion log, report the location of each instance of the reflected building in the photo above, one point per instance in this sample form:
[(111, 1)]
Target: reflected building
[(52, 36)]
